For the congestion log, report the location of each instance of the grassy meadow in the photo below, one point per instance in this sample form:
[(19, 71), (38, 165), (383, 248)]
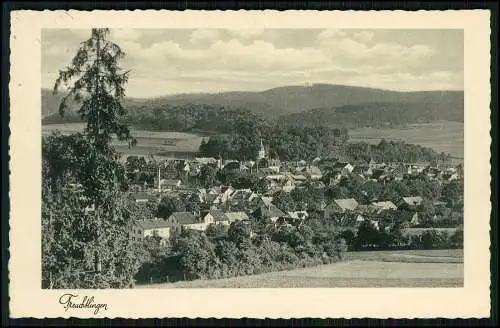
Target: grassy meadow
[(163, 143), (442, 136), (412, 268)]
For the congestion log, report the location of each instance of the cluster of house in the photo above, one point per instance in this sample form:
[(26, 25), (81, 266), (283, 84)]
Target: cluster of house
[(186, 220), (225, 204), (288, 175), (351, 213)]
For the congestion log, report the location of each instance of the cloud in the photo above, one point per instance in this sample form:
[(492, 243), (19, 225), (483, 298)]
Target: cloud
[(350, 51), (257, 56), (329, 34), (126, 34), (246, 33), (364, 36), (201, 36), (164, 61)]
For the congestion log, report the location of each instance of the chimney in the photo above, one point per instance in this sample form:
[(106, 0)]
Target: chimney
[(159, 180)]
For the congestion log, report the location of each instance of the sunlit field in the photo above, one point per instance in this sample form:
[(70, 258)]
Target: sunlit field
[(149, 142), (433, 268), (442, 136)]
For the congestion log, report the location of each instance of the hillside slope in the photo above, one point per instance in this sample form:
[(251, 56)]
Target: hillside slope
[(421, 109), (281, 101)]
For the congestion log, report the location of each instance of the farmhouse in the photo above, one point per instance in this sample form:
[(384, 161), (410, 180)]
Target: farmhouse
[(410, 203), (151, 228), (215, 216), (243, 195), (341, 206), (236, 216), (343, 167), (170, 183), (386, 205), (369, 210), (205, 160), (269, 212), (142, 197), (298, 178), (188, 220), (314, 173)]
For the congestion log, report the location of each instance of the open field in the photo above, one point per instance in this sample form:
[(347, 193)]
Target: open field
[(148, 142), (442, 136), (409, 256), (434, 268)]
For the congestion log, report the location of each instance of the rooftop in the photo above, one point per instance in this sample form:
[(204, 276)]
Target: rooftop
[(153, 224), (236, 216), (183, 218), (347, 204)]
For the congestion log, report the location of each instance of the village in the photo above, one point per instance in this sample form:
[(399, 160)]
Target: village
[(194, 181), (192, 186)]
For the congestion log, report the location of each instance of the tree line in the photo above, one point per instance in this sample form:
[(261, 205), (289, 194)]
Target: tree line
[(369, 237), (241, 249), (294, 143)]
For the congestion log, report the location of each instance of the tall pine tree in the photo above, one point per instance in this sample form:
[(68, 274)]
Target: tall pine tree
[(85, 238)]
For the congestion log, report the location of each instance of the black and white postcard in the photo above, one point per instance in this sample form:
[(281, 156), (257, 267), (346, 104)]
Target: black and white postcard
[(255, 164)]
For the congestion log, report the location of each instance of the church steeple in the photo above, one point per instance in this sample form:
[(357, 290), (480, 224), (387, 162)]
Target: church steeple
[(262, 152)]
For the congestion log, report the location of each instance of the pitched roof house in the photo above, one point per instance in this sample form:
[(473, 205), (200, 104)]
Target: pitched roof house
[(346, 204), (343, 167), (182, 218), (212, 199), (385, 205), (149, 228), (242, 195), (170, 183), (236, 216), (142, 197), (410, 202), (215, 216), (269, 212), (341, 206), (369, 210), (205, 160), (313, 172), (188, 220)]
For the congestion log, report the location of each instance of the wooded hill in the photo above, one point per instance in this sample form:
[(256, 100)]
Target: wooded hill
[(382, 114), (320, 104)]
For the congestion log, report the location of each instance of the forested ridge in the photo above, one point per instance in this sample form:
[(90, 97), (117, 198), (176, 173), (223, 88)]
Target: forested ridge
[(381, 114), (330, 105)]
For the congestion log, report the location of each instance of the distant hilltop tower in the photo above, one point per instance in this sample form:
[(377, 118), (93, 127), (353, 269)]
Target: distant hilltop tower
[(262, 151)]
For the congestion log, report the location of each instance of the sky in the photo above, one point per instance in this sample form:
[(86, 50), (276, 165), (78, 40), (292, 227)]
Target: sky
[(172, 61)]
